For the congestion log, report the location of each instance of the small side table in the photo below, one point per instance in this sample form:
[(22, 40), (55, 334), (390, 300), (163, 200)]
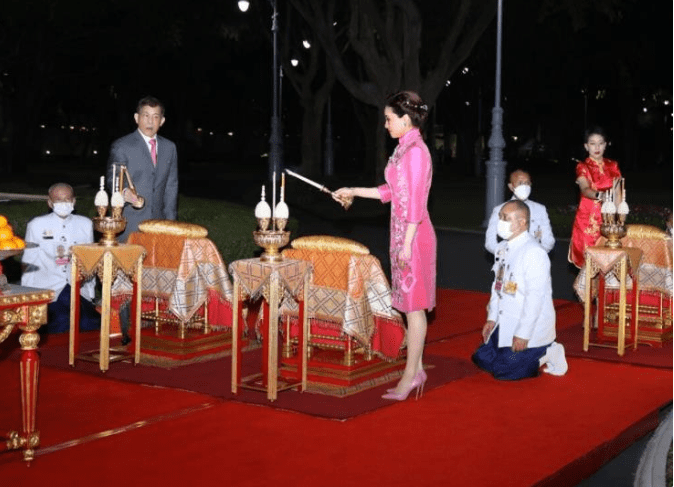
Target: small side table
[(621, 261), (25, 307), (106, 262), (271, 281)]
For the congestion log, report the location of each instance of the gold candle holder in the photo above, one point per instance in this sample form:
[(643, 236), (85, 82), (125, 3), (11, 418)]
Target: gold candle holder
[(281, 224), (263, 223), (109, 227), (613, 229), (271, 241)]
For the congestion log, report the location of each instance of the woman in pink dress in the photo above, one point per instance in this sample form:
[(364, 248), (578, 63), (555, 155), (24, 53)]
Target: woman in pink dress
[(413, 244), (594, 175)]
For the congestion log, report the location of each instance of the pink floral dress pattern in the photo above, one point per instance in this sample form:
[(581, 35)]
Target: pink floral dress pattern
[(408, 181)]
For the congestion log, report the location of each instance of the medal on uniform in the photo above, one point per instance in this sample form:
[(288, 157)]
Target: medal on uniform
[(510, 287), (499, 278)]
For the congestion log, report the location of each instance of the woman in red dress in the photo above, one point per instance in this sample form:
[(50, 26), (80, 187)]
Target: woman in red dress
[(594, 175)]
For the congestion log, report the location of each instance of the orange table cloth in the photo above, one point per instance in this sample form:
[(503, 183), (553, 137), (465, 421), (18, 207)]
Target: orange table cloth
[(351, 294), (184, 272)]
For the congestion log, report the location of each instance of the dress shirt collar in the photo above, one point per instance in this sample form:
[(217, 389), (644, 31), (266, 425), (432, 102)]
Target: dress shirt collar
[(57, 218), (518, 241), (146, 138)]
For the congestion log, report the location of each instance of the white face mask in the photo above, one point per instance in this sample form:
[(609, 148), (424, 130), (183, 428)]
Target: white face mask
[(63, 208), (503, 230), (522, 191)]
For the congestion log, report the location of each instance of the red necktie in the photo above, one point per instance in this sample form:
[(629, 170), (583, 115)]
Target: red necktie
[(153, 151)]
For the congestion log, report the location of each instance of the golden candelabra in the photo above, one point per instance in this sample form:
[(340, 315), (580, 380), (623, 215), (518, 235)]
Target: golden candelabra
[(613, 228), (271, 240), (614, 211), (110, 226)]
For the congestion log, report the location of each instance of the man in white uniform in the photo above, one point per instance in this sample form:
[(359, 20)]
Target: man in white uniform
[(539, 224), (48, 265), (519, 335)]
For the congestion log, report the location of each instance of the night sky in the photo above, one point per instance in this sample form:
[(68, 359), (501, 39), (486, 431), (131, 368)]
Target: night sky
[(68, 63)]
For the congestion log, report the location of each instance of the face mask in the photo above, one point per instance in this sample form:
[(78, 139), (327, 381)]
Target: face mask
[(522, 192), (63, 209), (503, 230)]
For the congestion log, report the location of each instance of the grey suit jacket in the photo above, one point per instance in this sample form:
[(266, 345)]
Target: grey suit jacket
[(158, 185)]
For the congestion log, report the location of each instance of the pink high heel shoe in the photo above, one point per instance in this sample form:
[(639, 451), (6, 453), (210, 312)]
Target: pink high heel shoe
[(421, 373), (418, 383)]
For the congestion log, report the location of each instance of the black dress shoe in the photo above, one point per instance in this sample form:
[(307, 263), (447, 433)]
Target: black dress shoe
[(126, 339)]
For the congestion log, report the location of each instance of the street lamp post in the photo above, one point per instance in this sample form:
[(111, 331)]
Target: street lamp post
[(496, 165), (275, 138)]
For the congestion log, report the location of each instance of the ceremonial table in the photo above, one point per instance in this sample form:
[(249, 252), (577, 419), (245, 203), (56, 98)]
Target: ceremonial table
[(107, 262), (349, 297), (620, 263), (184, 273), (272, 281), (26, 308)]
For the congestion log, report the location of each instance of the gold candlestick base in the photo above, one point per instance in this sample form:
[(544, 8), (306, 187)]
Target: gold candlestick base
[(271, 242), (613, 232), (109, 227)]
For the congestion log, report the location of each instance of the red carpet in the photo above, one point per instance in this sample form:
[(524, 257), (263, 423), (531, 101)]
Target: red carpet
[(645, 355), (473, 431), (214, 378)]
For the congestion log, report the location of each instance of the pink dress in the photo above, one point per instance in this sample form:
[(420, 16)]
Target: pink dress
[(408, 181)]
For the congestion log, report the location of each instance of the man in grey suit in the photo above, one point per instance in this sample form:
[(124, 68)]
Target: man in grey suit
[(152, 163)]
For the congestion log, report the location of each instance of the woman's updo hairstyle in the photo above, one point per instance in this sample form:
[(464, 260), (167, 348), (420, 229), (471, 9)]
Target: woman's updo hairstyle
[(596, 130), (410, 104)]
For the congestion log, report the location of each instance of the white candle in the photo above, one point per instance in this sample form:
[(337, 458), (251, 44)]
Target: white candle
[(273, 195), (114, 179), (102, 183), (283, 186)]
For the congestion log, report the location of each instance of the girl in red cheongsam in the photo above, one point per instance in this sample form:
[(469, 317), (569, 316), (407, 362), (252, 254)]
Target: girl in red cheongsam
[(594, 175)]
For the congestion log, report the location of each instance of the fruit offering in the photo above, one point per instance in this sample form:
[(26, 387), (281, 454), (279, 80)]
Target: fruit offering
[(8, 240)]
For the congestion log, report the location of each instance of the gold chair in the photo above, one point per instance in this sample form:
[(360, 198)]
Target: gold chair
[(655, 286), (349, 301), (185, 281)]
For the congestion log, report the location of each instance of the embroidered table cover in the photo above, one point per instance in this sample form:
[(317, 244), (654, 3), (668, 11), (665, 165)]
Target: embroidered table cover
[(184, 271), (350, 293)]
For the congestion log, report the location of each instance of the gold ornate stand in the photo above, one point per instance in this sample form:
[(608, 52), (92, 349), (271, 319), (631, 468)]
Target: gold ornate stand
[(272, 281), (26, 308), (622, 261), (106, 262)]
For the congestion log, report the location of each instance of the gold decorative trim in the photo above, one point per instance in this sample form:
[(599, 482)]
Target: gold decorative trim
[(24, 298), (6, 332)]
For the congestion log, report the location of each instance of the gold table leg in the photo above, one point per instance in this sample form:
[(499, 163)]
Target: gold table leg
[(588, 304), (622, 307), (73, 308), (139, 303), (104, 341), (235, 336), (272, 346)]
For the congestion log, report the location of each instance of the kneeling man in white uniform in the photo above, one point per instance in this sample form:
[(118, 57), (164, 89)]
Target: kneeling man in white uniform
[(519, 335)]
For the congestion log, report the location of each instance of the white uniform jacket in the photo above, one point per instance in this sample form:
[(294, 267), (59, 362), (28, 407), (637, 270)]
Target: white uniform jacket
[(539, 226), (48, 265), (523, 306)]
